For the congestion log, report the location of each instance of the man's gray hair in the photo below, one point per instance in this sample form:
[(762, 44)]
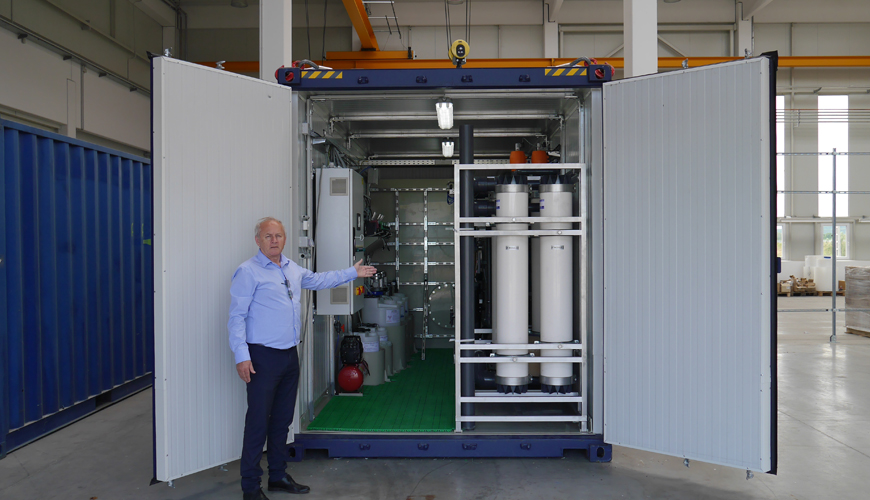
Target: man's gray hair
[(263, 221)]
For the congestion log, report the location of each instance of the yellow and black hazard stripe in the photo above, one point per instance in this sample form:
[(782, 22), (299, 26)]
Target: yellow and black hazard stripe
[(323, 75), (564, 71)]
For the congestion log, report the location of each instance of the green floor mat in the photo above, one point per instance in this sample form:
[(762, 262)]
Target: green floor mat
[(420, 398)]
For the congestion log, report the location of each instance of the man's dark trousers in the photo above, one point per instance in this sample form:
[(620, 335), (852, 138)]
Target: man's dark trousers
[(271, 402)]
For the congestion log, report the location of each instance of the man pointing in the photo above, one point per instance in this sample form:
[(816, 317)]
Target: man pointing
[(264, 329)]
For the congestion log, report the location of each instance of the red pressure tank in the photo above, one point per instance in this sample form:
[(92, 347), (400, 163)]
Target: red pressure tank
[(350, 378)]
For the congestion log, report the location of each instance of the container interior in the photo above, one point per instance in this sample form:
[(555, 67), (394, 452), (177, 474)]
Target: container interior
[(394, 141)]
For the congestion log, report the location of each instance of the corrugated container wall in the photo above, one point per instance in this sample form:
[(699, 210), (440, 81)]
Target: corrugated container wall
[(76, 300)]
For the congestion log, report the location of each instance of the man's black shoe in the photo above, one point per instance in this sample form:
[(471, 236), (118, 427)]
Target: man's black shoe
[(289, 485), (255, 495)]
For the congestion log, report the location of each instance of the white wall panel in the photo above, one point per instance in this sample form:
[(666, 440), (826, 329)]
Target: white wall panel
[(110, 110), (222, 158), (431, 42), (687, 332), (576, 44), (695, 44), (520, 41), (33, 79)]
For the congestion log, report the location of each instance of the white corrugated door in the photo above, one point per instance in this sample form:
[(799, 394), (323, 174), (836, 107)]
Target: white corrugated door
[(687, 248), (222, 145)]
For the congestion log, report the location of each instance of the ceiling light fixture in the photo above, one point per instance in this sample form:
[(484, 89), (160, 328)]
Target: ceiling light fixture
[(444, 109), (671, 1), (239, 4)]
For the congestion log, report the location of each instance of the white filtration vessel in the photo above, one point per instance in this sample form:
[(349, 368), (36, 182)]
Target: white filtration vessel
[(512, 299), (556, 288)]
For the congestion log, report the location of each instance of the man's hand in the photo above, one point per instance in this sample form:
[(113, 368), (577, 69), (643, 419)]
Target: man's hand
[(245, 369), (364, 271)]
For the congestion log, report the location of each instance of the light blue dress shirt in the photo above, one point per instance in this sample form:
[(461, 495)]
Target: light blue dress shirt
[(262, 311)]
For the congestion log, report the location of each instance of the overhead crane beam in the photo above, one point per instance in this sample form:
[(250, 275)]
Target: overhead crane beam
[(360, 20)]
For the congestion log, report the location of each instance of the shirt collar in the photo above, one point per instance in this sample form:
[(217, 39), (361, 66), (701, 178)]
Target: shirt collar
[(264, 261)]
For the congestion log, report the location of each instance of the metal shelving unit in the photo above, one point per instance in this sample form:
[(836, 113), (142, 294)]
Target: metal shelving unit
[(426, 244)]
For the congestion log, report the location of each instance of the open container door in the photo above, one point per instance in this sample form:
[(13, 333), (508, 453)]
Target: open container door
[(689, 334), (222, 160)]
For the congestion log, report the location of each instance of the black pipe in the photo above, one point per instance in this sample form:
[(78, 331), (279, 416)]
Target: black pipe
[(484, 208), (466, 259), (484, 184)]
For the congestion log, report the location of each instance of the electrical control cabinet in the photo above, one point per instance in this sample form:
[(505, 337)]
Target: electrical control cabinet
[(338, 235)]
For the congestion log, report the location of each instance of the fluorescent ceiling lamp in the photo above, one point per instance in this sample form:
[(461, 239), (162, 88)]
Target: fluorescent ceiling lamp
[(447, 148), (445, 114)]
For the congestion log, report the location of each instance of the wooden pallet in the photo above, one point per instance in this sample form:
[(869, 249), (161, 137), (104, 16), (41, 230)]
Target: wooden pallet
[(841, 293), (857, 332)]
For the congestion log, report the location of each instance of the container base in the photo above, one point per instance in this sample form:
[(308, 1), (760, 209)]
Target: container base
[(451, 446)]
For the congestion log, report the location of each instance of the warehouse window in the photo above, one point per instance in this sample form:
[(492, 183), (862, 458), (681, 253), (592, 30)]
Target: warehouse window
[(833, 134), (779, 241), (780, 160), (842, 241)]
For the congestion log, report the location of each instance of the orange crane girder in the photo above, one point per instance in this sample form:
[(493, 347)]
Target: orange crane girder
[(360, 20)]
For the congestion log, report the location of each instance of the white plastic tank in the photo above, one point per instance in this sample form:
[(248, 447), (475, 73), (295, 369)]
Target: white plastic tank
[(512, 266), (396, 334), (370, 312), (387, 346), (374, 357), (402, 299), (389, 311), (556, 288)]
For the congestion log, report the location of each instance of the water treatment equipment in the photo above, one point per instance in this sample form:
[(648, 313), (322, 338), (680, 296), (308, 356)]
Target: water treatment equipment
[(512, 307), (556, 285), (373, 120)]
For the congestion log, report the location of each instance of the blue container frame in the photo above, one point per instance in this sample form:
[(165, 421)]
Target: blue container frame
[(434, 445), (76, 267), (428, 445), (442, 78)]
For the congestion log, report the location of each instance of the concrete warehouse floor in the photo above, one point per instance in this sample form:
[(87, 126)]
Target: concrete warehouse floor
[(824, 449)]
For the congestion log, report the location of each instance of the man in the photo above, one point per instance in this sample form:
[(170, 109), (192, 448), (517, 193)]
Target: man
[(264, 330)]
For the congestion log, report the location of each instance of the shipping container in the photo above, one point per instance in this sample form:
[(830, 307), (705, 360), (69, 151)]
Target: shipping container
[(76, 301), (665, 173)]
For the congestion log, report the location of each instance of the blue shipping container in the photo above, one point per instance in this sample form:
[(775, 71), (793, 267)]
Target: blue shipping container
[(76, 282)]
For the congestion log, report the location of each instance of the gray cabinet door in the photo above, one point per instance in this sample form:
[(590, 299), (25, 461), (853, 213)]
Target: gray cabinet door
[(689, 337)]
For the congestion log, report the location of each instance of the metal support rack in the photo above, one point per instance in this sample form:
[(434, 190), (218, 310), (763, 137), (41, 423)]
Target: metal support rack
[(578, 358), (397, 263)]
